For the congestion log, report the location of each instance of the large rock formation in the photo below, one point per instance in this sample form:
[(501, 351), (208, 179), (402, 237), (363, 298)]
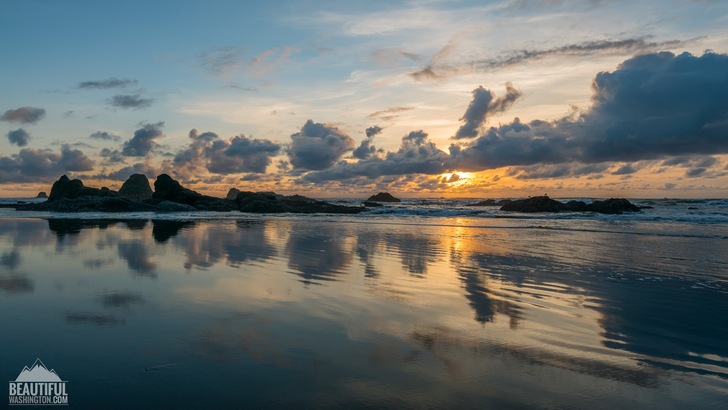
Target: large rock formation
[(232, 194), (168, 189), (170, 196), (136, 188), (42, 195), (383, 197), (270, 202), (546, 204), (66, 188)]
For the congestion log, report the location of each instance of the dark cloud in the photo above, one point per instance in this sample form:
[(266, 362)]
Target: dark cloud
[(30, 165), (143, 140), (366, 149), (112, 156), (124, 173), (24, 115), (483, 104), (416, 155), (318, 146), (438, 70), (237, 155), (546, 171), (105, 136), (19, 137), (127, 101), (241, 154), (112, 82), (626, 169), (389, 114), (653, 106)]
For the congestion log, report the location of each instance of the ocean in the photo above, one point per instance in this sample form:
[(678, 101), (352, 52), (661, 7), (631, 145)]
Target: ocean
[(429, 303)]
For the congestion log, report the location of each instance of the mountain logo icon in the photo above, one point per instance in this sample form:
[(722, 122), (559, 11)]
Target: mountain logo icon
[(38, 372)]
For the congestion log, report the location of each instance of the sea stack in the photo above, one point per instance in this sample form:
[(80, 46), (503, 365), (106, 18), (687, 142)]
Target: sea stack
[(232, 194), (42, 195), (383, 197), (136, 188)]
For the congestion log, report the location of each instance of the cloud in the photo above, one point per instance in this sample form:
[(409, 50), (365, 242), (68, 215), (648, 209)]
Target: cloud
[(30, 165), (226, 61), (105, 136), (416, 155), (127, 101), (111, 82), (19, 137), (239, 154), (112, 156), (484, 103), (24, 115), (392, 57), (437, 70), (146, 168), (652, 106), (389, 114), (143, 140), (366, 149), (318, 146)]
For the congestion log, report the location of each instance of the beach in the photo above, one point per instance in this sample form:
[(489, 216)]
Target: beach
[(427, 304)]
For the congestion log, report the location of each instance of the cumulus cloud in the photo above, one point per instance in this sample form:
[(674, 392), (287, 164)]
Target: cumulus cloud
[(130, 101), (652, 106), (31, 165), (239, 154), (24, 115), (111, 82), (143, 140), (483, 104), (105, 136), (19, 137), (416, 155), (366, 149), (112, 156), (146, 168), (318, 146)]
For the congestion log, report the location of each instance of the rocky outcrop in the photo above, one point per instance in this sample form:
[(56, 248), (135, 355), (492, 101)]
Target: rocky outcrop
[(490, 202), (66, 188), (170, 196), (383, 197), (546, 204), (42, 195), (136, 188), (270, 202), (168, 189), (232, 194)]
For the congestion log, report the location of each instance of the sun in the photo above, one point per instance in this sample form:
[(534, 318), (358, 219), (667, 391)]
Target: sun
[(456, 178)]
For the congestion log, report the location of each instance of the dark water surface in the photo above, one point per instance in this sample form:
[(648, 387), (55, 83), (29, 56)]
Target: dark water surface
[(357, 313)]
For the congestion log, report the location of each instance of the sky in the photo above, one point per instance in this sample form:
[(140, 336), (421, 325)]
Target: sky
[(421, 98)]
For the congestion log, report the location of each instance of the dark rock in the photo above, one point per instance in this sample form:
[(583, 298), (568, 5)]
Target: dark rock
[(577, 206), (372, 204), (66, 188), (534, 204), (546, 204), (269, 202), (136, 188), (613, 206), (490, 202), (383, 197), (232, 194), (42, 194), (169, 206), (167, 189)]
